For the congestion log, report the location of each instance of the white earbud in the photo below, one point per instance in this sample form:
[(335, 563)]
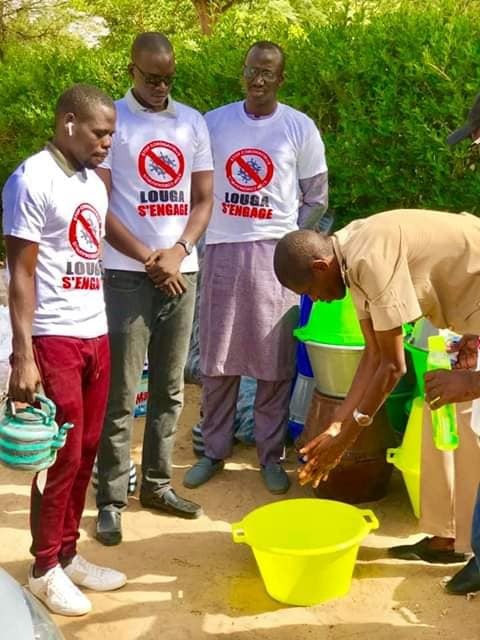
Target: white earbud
[(70, 128)]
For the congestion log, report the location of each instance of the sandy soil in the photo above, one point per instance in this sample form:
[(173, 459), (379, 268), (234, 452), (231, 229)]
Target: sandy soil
[(187, 580)]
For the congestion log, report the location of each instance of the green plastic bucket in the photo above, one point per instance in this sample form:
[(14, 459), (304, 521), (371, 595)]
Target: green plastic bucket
[(332, 323), (419, 359), (398, 406), (399, 402)]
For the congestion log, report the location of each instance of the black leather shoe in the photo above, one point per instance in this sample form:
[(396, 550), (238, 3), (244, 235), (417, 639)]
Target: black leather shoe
[(109, 527), (169, 502), (422, 552), (467, 580)]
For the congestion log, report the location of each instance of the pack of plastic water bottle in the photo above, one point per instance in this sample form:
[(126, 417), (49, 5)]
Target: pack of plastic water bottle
[(141, 398)]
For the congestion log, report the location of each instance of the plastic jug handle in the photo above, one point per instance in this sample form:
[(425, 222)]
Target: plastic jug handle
[(238, 532), (370, 519), (46, 404), (391, 455)]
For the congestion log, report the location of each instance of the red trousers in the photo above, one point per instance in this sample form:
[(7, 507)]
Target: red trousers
[(75, 374)]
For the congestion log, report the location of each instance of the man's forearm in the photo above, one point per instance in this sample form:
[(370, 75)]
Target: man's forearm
[(366, 371), (121, 239), (197, 222), (379, 388), (22, 307), (381, 367), (201, 206)]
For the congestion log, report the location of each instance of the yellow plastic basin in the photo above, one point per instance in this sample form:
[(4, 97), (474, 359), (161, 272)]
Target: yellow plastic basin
[(306, 548)]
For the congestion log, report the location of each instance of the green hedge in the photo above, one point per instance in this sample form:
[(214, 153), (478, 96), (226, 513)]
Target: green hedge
[(385, 88)]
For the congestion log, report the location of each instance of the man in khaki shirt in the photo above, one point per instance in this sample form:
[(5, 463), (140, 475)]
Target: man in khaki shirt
[(399, 266)]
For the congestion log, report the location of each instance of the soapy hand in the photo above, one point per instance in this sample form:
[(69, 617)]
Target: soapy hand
[(323, 453)]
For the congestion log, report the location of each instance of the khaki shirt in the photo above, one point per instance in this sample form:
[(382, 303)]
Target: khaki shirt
[(401, 265)]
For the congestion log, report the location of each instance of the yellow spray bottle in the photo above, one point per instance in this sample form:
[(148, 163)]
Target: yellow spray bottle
[(444, 419)]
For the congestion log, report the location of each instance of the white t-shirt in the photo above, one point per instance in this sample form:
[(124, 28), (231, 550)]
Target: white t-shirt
[(151, 160), (64, 212), (258, 165)]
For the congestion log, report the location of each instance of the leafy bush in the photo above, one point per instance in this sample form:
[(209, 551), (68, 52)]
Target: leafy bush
[(385, 81)]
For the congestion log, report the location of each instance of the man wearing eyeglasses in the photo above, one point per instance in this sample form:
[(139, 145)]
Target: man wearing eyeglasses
[(270, 178), (159, 175)]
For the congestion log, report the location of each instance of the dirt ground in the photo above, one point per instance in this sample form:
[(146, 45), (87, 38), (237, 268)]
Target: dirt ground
[(188, 580)]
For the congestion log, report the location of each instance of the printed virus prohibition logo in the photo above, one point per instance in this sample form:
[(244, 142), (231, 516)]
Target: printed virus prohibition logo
[(161, 164), (85, 231), (249, 169)]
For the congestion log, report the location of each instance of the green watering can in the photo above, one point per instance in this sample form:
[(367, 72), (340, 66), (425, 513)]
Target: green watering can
[(30, 437)]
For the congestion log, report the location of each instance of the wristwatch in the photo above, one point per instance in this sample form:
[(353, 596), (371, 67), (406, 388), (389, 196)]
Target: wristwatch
[(362, 419), (186, 244)]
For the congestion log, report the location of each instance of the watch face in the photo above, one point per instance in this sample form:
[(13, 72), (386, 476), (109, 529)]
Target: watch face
[(188, 246), (362, 419)]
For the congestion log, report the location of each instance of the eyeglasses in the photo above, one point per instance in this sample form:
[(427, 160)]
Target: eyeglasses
[(155, 80), (249, 73)]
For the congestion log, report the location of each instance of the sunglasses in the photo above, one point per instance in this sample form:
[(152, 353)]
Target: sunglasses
[(153, 79)]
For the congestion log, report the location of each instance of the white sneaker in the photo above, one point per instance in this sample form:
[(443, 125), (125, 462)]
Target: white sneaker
[(85, 574), (59, 593)]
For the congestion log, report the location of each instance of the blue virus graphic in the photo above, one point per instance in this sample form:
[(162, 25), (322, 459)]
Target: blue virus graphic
[(243, 175), (155, 168)]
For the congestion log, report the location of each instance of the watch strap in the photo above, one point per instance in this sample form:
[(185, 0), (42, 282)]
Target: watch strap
[(188, 246)]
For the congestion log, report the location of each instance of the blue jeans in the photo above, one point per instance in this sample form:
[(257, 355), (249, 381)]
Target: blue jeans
[(476, 530), (141, 317)]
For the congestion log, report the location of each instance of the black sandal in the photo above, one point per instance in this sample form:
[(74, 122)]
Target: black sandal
[(422, 552)]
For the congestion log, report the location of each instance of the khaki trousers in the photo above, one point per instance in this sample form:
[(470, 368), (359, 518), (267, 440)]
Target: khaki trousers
[(449, 482)]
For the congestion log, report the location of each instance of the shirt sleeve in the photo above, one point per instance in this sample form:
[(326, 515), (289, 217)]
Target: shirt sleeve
[(202, 160), (24, 208), (360, 303), (311, 158), (382, 285), (314, 200)]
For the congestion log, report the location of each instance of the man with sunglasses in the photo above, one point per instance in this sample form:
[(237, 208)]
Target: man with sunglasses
[(270, 177), (159, 175)]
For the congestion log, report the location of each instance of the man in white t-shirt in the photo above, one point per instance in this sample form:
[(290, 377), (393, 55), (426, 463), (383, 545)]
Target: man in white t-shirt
[(54, 209), (270, 178), (159, 174)]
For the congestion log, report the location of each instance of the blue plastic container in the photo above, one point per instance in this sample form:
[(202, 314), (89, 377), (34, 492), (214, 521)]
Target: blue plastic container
[(294, 429), (303, 361)]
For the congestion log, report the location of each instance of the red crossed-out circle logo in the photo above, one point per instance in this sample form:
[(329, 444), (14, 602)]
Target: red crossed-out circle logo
[(84, 232), (249, 169), (161, 164)]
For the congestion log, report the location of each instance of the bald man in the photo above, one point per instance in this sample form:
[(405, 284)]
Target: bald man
[(54, 209), (159, 175), (399, 266)]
